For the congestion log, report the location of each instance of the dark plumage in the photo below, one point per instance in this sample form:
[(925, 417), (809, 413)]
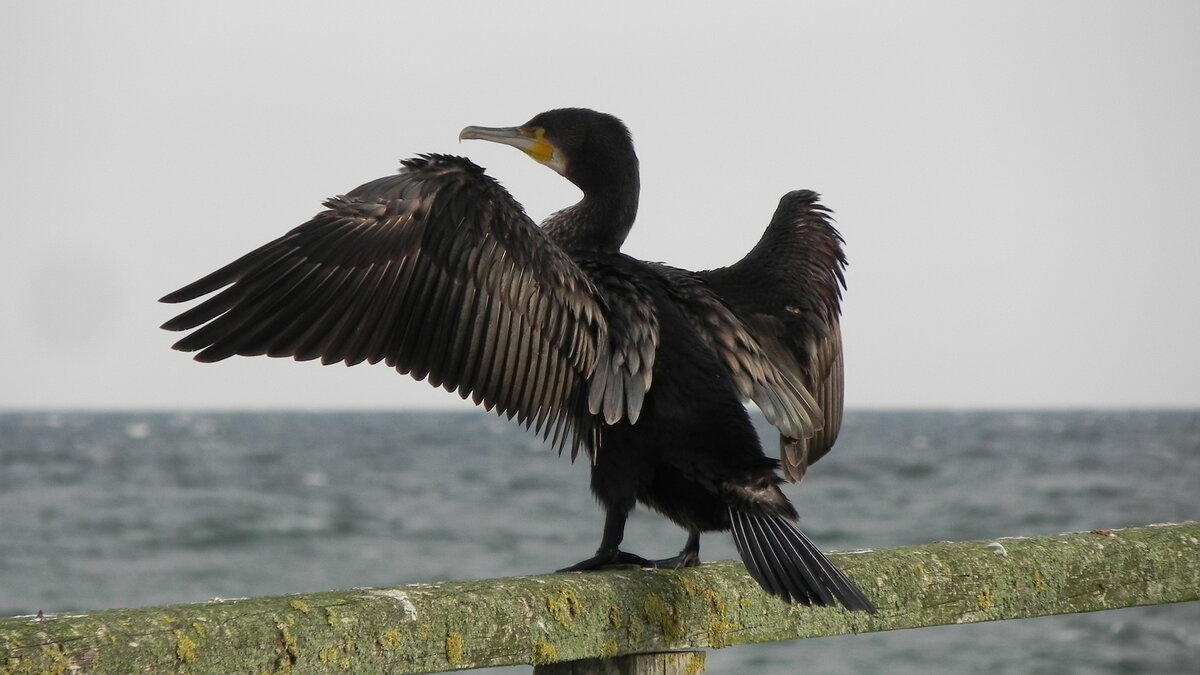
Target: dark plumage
[(438, 272)]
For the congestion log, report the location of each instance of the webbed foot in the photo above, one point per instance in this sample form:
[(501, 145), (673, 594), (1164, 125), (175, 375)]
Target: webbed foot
[(684, 559), (613, 558), (688, 557)]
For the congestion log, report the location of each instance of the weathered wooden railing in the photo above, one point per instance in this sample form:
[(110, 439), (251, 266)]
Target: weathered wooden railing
[(624, 620)]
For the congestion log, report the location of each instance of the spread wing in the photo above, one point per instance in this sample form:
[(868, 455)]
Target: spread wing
[(787, 290), (436, 271), (758, 374)]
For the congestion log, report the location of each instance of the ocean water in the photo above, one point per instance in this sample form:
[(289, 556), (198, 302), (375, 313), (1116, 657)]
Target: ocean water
[(118, 510)]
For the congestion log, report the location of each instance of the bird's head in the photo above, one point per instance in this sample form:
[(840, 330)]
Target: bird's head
[(591, 149)]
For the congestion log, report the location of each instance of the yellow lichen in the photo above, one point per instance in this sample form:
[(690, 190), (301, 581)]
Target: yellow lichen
[(543, 652), (455, 650), (1039, 582), (59, 663), (614, 616), (291, 649), (984, 599), (695, 664), (200, 629), (715, 603), (185, 647), (636, 629), (331, 617), (664, 615), (685, 582), (300, 606), (608, 648), (717, 632), (719, 626), (391, 639), (424, 630), (328, 655), (563, 605)]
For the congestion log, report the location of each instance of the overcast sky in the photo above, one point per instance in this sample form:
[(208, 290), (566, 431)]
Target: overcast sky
[(1017, 182)]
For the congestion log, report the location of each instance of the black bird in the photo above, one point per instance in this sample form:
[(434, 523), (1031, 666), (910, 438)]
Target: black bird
[(438, 272)]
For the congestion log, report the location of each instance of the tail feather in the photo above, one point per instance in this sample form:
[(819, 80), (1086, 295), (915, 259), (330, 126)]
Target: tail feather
[(742, 540), (787, 564), (799, 564)]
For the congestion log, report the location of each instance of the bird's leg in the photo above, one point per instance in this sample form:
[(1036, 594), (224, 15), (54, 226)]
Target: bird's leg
[(609, 552), (688, 557)]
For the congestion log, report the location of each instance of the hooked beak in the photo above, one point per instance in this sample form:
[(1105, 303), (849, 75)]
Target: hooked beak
[(531, 141)]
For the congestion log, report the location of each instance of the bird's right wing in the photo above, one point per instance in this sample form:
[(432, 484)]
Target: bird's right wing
[(435, 270), (625, 367)]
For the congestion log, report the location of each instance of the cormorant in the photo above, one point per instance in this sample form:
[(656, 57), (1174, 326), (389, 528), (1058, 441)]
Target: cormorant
[(438, 272)]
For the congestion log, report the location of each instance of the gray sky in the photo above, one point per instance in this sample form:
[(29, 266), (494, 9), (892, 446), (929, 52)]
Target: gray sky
[(1017, 182)]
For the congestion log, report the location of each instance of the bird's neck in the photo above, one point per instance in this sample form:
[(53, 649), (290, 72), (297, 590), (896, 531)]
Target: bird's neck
[(599, 222)]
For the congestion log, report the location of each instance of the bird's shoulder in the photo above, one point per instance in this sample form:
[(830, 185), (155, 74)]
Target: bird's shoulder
[(629, 296)]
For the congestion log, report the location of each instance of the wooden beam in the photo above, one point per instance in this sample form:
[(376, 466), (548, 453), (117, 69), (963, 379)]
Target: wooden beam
[(548, 619)]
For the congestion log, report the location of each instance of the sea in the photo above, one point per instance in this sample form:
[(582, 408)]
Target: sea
[(107, 510)]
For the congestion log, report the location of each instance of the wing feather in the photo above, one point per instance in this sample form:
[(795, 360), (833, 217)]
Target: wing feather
[(787, 293), (348, 339), (436, 271), (625, 367), (784, 402)]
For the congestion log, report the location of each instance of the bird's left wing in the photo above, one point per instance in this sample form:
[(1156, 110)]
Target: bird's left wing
[(787, 291), (758, 374), (436, 271)]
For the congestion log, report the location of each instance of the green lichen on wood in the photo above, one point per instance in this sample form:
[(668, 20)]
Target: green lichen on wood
[(431, 628)]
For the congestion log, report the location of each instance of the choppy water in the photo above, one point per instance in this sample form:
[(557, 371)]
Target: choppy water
[(119, 510)]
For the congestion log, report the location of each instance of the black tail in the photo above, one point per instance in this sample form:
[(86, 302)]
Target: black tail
[(785, 563)]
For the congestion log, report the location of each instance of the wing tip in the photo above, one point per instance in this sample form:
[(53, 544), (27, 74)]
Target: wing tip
[(803, 196)]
